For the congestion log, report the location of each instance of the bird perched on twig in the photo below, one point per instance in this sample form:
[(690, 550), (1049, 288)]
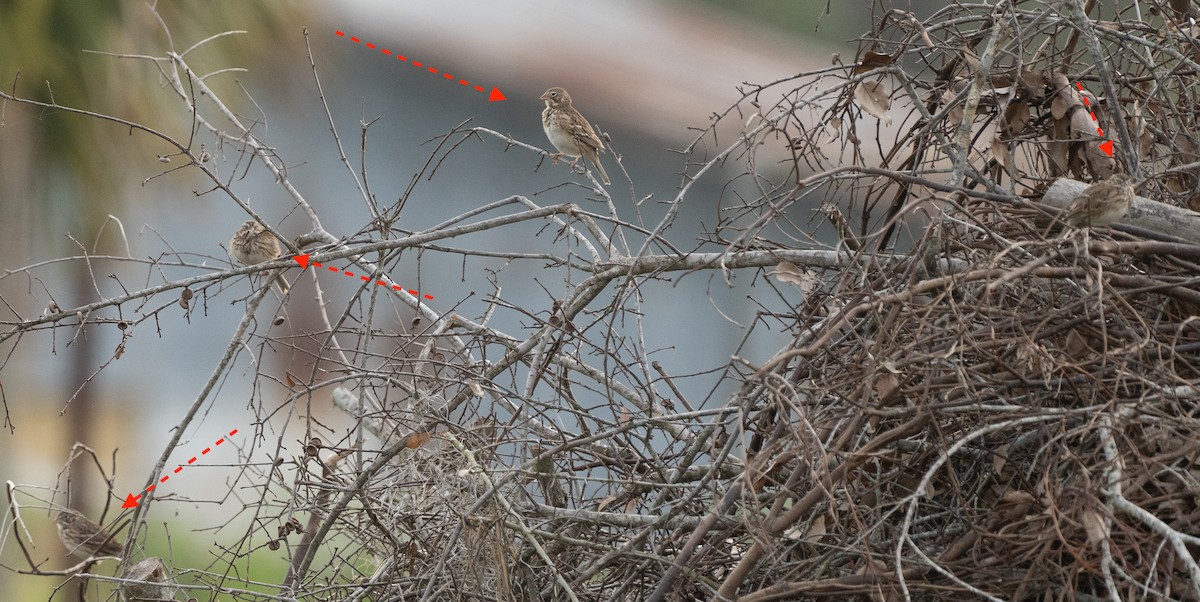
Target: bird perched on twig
[(1101, 203), (569, 132), (253, 244), (84, 538)]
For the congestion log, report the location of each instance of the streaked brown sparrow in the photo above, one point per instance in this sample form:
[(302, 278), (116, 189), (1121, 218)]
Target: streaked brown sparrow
[(252, 244), (85, 539), (569, 132), (1101, 203)]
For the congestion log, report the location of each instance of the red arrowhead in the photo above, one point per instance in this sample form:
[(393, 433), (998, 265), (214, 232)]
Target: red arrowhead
[(1107, 147), (302, 260), (131, 501), (496, 95)]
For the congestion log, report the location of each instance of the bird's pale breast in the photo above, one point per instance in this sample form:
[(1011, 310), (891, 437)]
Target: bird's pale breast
[(559, 137)]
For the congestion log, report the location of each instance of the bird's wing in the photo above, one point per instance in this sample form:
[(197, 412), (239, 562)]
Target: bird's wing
[(583, 132)]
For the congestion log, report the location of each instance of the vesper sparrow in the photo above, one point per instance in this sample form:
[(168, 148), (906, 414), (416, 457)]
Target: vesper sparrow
[(85, 539), (1101, 203), (570, 133), (252, 244)]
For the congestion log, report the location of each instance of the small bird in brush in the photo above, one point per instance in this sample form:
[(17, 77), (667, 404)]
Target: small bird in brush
[(569, 132), (1102, 203), (253, 244), (84, 538)]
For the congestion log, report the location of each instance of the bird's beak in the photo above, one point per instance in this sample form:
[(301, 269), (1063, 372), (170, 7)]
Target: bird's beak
[(543, 97)]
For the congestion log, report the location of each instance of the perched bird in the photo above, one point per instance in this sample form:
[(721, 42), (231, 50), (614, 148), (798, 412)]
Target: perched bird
[(252, 244), (85, 539), (569, 132), (1101, 203), (153, 584)]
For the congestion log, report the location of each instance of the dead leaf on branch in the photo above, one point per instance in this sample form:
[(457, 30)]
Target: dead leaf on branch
[(886, 385), (833, 128), (812, 534), (1059, 106), (954, 117), (416, 440), (606, 502), (790, 273), (1065, 97), (873, 60), (1016, 117), (1093, 524), (999, 458), (873, 99), (1000, 152), (972, 61), (1034, 84)]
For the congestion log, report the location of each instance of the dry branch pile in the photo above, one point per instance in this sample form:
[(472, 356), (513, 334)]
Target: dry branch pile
[(1009, 411), (978, 435)]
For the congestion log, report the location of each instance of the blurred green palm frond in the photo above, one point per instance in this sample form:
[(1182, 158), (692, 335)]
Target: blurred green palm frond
[(45, 56)]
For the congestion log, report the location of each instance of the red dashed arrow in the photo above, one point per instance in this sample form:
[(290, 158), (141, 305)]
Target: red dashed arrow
[(304, 263), (494, 96), (132, 500), (1107, 145)]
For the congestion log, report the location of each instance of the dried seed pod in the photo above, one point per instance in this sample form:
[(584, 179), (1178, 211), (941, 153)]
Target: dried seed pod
[(155, 585), (313, 446)]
